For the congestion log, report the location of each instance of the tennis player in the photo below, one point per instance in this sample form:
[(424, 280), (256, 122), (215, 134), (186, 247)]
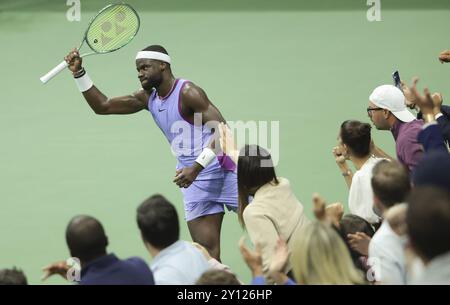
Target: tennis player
[(187, 118)]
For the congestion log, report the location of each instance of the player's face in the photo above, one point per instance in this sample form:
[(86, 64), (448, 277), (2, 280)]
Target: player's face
[(149, 73)]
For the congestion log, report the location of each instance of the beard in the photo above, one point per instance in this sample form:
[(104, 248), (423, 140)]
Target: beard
[(149, 84)]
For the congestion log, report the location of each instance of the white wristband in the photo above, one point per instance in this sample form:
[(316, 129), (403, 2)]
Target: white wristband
[(206, 157), (84, 83)]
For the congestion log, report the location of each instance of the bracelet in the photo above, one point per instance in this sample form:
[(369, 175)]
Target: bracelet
[(79, 73), (206, 157), (84, 82)]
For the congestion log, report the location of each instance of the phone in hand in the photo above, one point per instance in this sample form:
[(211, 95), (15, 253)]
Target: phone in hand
[(396, 78)]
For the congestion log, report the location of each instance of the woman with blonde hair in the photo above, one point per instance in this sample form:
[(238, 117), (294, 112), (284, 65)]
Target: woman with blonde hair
[(319, 256)]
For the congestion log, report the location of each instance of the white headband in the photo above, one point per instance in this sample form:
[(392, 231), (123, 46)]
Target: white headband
[(153, 55)]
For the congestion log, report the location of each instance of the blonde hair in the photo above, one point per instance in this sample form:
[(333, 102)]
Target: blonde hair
[(320, 256)]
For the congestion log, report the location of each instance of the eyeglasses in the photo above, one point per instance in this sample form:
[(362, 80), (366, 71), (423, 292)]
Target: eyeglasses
[(369, 110)]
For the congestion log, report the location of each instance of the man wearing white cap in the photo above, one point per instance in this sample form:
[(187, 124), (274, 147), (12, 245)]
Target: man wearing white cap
[(387, 111)]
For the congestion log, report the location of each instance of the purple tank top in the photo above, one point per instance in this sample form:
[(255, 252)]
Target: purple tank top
[(186, 139)]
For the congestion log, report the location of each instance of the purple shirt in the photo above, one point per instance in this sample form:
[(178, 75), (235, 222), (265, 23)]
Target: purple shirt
[(186, 139), (409, 150)]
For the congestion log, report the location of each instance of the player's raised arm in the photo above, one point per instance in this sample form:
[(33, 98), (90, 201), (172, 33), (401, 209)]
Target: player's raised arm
[(99, 102)]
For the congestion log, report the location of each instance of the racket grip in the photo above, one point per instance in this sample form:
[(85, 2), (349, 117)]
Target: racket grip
[(53, 72)]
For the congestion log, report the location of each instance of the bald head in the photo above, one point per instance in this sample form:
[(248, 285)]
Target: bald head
[(86, 238)]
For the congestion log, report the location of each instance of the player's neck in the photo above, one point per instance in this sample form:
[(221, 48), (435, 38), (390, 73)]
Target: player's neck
[(166, 87)]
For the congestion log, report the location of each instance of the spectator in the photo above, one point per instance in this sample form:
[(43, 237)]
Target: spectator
[(387, 110), (87, 241), (428, 222), (355, 145), (321, 257), (274, 212), (12, 277), (217, 277), (391, 185), (434, 167), (175, 262), (433, 111), (351, 228)]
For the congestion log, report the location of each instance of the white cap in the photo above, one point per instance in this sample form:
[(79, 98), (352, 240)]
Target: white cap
[(391, 98)]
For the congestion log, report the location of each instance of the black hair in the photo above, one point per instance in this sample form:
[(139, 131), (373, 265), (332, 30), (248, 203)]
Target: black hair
[(157, 220), (12, 276), (351, 224), (356, 135), (255, 168), (86, 238), (428, 221), (156, 48)]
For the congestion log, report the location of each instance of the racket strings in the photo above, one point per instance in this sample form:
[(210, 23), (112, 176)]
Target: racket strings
[(112, 29)]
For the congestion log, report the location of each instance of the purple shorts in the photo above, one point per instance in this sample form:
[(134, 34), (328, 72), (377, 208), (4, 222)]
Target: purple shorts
[(206, 197)]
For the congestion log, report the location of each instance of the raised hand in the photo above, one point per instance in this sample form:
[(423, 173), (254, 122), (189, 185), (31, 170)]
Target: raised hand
[(359, 242), (444, 56), (253, 259)]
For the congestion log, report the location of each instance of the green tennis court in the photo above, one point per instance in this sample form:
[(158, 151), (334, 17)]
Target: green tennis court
[(308, 64)]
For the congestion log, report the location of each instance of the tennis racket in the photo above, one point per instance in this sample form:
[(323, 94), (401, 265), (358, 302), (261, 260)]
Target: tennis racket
[(111, 29)]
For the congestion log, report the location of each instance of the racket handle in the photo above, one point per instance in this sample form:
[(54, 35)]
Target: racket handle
[(53, 72)]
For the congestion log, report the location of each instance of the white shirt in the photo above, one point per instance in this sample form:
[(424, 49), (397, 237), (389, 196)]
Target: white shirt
[(360, 198), (387, 256), (179, 264), (437, 272)]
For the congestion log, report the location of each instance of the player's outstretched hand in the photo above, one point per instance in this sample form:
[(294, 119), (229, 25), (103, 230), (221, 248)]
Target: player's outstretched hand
[(74, 60), (185, 176)]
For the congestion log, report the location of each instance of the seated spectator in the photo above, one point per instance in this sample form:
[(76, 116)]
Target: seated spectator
[(353, 227), (175, 262), (319, 255), (387, 111), (87, 241), (275, 211), (217, 277), (12, 276), (428, 222), (433, 170), (355, 145), (391, 185)]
